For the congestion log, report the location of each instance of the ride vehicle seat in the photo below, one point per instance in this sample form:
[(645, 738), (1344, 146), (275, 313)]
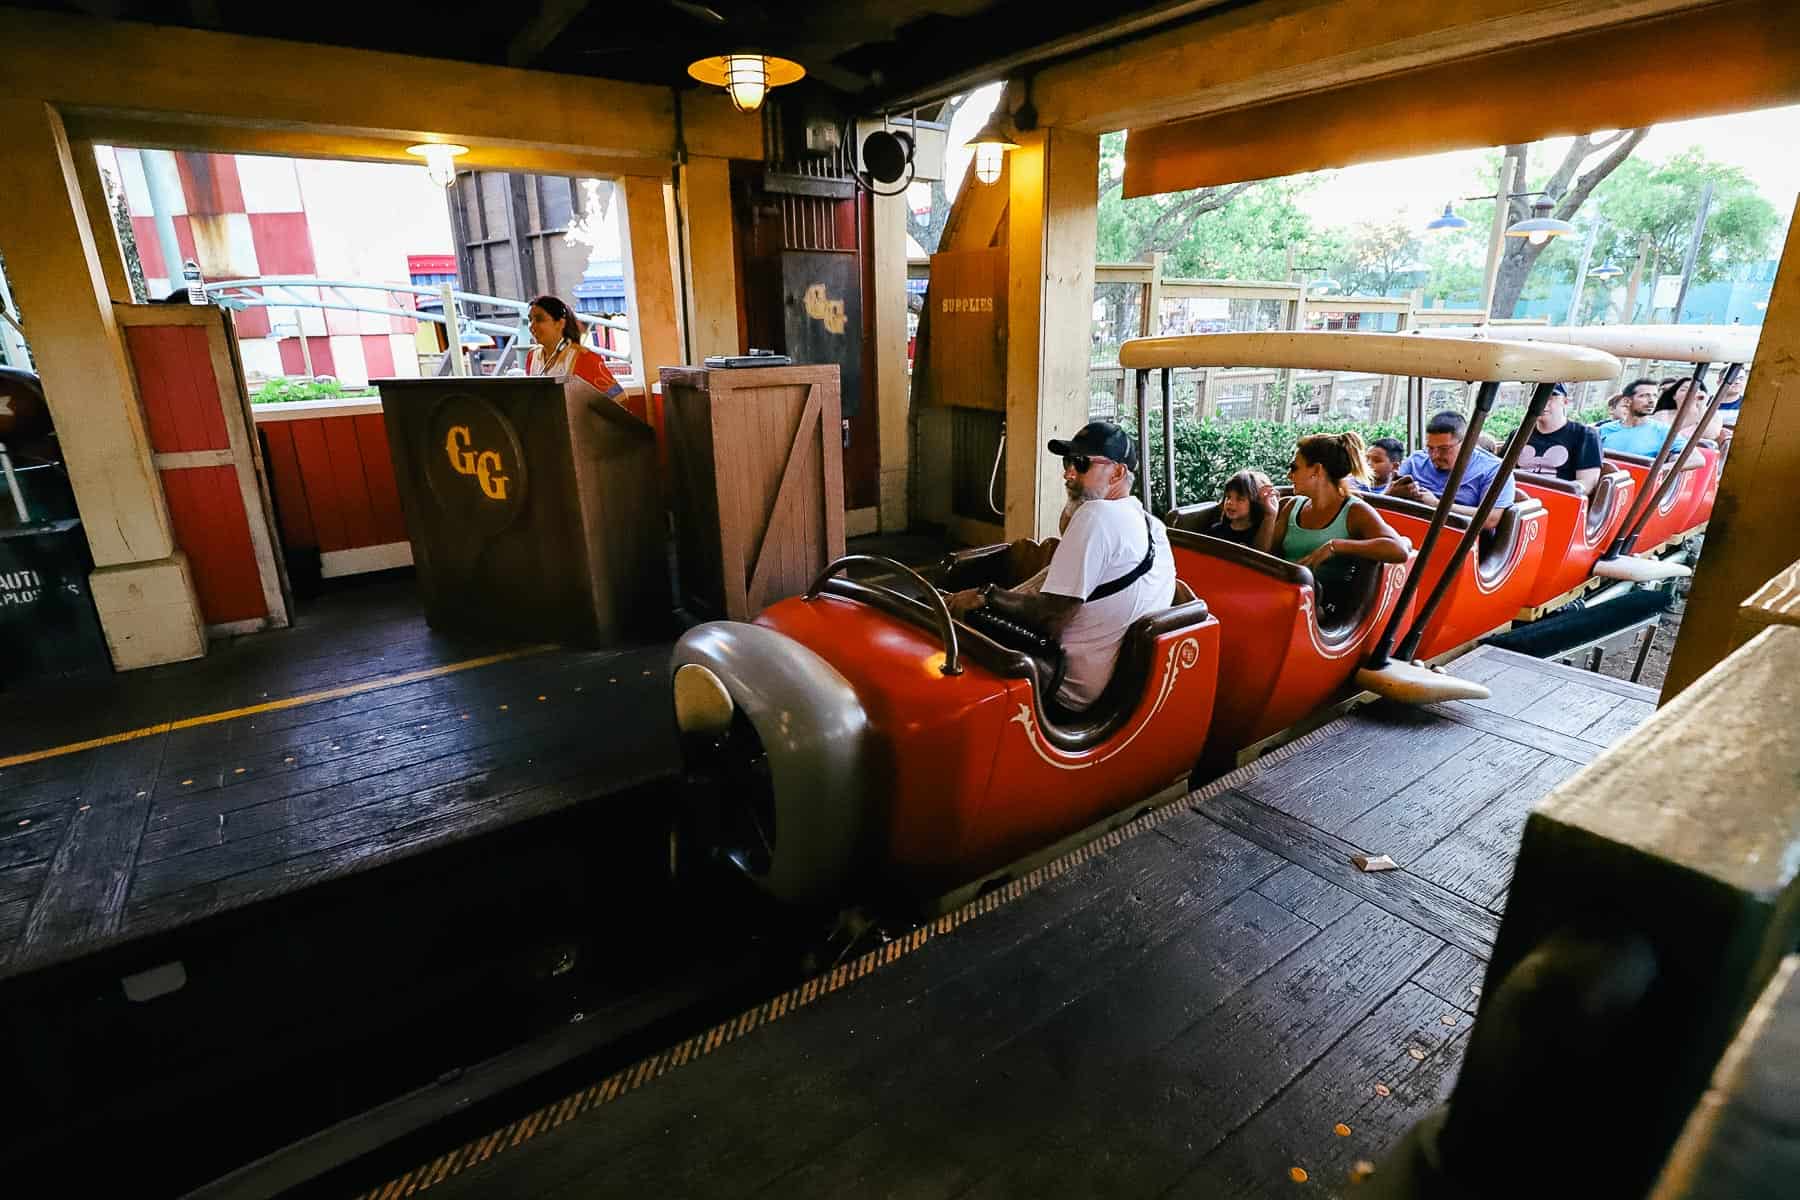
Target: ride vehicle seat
[(1003, 564), (1362, 590), (1600, 502), (1494, 549)]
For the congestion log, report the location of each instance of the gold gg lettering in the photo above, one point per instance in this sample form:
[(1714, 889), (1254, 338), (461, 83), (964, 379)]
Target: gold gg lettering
[(484, 465), (822, 308)]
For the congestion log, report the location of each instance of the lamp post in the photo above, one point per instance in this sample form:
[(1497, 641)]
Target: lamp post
[(1539, 228)]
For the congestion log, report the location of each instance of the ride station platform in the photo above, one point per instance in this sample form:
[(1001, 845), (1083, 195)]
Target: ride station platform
[(1211, 1000), (348, 856)]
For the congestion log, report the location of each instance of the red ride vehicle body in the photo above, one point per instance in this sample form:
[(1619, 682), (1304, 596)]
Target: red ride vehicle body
[(1278, 665), (1493, 582), (1578, 528), (971, 781), (1671, 516)]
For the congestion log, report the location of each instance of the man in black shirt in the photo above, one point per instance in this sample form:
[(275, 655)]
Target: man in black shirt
[(1561, 447)]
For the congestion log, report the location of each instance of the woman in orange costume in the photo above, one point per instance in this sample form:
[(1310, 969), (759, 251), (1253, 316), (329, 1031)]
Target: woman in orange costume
[(559, 352)]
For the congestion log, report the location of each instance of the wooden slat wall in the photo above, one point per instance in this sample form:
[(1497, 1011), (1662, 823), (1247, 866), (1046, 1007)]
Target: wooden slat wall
[(334, 482)]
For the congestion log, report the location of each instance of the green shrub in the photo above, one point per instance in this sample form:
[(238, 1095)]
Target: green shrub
[(280, 390), (1209, 452)]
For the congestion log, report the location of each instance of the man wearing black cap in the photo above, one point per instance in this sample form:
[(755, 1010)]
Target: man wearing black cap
[(1566, 449), (1112, 566)]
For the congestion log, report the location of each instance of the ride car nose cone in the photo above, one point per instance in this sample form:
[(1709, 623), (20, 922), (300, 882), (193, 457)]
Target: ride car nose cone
[(1641, 570), (1411, 684), (702, 705)]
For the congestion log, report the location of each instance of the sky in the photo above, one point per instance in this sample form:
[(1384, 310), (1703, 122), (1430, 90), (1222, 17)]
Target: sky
[(1759, 142)]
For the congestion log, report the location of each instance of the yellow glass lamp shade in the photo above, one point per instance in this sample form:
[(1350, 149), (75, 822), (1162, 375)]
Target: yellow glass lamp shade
[(991, 145), (746, 75)]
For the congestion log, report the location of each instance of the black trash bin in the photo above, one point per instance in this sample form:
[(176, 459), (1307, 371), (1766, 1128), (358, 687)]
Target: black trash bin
[(48, 625)]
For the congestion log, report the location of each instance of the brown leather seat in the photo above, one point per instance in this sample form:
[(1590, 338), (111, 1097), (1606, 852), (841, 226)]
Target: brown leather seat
[(1068, 731)]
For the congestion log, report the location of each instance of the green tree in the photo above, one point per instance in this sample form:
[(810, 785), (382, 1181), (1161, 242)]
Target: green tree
[(1650, 209), (1378, 257), (1239, 231)]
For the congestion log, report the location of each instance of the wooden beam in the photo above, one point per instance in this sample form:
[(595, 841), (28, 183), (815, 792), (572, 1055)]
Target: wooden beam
[(1605, 81), (544, 27), (650, 277), (1051, 240), (127, 70), (979, 210), (141, 587), (892, 382), (1254, 53), (710, 259), (177, 133), (1749, 539)]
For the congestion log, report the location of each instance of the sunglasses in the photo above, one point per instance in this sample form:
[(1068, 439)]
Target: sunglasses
[(1081, 462)]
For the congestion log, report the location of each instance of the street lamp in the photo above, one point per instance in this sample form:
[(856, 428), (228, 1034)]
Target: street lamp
[(1606, 270), (1448, 221), (1540, 227)]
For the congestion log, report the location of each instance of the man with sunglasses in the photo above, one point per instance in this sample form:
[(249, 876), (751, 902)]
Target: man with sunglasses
[(1112, 566)]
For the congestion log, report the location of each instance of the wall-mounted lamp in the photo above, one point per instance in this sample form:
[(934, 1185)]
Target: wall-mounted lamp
[(746, 75), (440, 160), (1606, 270), (1540, 227), (991, 145)]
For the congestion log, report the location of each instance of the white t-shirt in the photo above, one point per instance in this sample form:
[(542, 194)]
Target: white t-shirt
[(1105, 541)]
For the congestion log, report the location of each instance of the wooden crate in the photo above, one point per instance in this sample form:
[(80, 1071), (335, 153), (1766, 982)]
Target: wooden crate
[(757, 478)]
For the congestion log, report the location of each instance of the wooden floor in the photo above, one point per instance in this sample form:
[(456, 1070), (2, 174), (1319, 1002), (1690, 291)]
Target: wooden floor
[(358, 737), (1203, 1003)]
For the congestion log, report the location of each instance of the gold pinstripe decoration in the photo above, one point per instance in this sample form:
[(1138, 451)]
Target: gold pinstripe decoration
[(629, 1079)]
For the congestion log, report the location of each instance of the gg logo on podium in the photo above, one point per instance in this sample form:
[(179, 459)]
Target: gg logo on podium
[(475, 464)]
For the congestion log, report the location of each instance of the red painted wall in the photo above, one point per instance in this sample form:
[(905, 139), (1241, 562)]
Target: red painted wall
[(181, 400), (334, 482)]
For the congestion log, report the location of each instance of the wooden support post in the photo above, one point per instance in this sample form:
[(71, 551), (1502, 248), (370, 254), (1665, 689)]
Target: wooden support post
[(141, 584), (710, 259), (1152, 323), (1749, 538), (892, 380), (650, 277), (1053, 180)]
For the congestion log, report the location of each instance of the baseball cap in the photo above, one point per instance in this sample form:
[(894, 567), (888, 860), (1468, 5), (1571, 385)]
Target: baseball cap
[(1098, 439), (1557, 389)]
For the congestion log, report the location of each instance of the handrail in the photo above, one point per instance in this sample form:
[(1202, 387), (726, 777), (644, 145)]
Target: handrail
[(946, 625), (240, 294)]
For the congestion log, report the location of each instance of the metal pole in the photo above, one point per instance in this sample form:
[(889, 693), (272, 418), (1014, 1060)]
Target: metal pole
[(1143, 424), (12, 485), (1484, 401), (1587, 254), (1693, 250), (1628, 539), (452, 330), (1655, 485), (305, 349), (1168, 434), (1540, 397), (162, 179)]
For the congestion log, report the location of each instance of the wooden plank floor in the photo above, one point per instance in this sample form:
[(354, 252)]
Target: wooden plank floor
[(1199, 1004), (411, 747)]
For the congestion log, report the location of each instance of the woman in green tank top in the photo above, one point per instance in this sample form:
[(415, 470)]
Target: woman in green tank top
[(1326, 528)]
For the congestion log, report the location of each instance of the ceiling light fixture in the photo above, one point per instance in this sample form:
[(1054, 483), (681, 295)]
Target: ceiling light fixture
[(440, 160), (991, 145), (746, 75)]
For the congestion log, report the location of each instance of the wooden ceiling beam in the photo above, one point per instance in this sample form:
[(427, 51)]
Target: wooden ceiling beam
[(1255, 53)]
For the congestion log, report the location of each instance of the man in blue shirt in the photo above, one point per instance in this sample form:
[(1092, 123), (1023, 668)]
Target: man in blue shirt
[(1636, 432), (1425, 472)]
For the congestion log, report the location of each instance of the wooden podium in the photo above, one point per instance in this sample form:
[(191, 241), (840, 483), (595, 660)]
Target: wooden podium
[(531, 514), (757, 477)]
